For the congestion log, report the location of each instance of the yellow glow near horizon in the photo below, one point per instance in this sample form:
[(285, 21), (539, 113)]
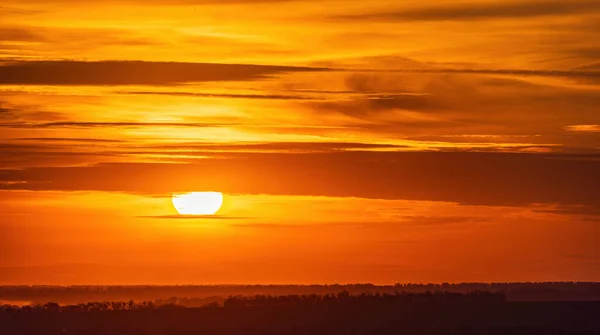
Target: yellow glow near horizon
[(197, 203)]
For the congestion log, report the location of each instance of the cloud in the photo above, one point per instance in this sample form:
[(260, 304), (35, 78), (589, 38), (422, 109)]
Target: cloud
[(278, 146), (66, 139), (6, 111), (270, 226), (162, 2), (256, 127), (591, 211), (221, 95), (74, 124), (371, 66), (15, 34), (11, 112), (15, 11), (482, 11), (24, 152), (593, 66), (584, 128), (364, 106), (132, 72), (427, 221), (514, 72), (56, 152), (52, 144), (91, 125), (467, 178), (236, 2), (434, 106), (195, 217), (165, 73)]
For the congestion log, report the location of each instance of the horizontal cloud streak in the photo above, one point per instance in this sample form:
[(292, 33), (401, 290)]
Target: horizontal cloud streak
[(18, 35), (132, 72), (221, 95), (127, 73), (66, 139), (21, 153), (508, 72), (483, 11), (114, 124), (195, 217), (468, 178), (278, 146), (157, 2), (584, 128)]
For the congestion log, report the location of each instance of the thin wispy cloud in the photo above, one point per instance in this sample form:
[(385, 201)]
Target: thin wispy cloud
[(67, 139), (484, 10), (220, 95), (584, 128), (195, 217), (75, 124)]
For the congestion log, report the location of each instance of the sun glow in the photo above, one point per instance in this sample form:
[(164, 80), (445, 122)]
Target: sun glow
[(197, 203)]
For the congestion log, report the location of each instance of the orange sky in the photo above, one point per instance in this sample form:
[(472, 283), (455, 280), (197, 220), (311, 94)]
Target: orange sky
[(355, 141)]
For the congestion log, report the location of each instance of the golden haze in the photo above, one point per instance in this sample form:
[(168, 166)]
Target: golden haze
[(354, 141)]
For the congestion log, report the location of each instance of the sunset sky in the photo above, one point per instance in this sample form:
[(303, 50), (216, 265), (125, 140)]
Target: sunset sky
[(375, 141)]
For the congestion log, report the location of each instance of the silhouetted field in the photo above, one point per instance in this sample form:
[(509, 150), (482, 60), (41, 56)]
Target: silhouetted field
[(342, 313)]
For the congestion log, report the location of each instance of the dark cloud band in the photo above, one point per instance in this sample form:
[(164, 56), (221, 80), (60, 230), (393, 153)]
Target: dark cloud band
[(133, 72), (467, 178)]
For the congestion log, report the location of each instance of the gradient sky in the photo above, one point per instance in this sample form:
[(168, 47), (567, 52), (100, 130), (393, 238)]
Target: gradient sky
[(355, 141)]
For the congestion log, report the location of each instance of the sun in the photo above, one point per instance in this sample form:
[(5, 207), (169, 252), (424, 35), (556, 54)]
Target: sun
[(197, 203)]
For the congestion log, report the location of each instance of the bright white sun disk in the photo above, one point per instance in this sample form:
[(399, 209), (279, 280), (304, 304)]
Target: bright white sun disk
[(197, 203)]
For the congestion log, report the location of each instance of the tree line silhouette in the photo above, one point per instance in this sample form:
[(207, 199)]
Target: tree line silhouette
[(433, 312), (198, 295), (239, 301)]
